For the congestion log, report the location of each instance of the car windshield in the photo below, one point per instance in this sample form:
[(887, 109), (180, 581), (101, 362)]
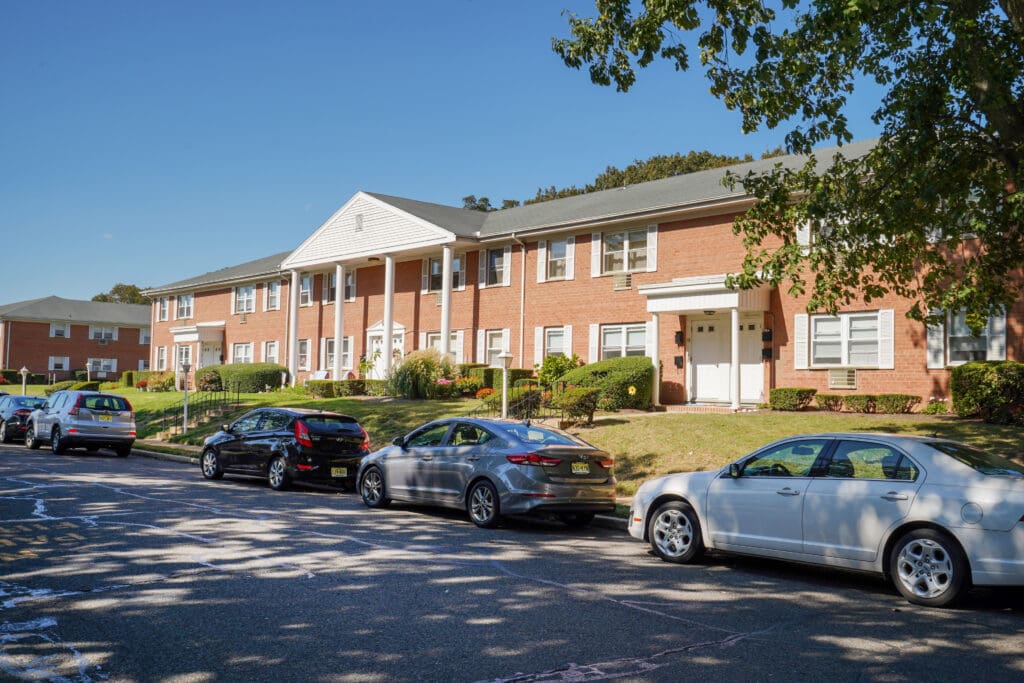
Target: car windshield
[(105, 403), (979, 460), (29, 402), (539, 435)]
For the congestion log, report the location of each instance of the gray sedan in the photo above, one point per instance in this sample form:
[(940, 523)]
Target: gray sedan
[(492, 468)]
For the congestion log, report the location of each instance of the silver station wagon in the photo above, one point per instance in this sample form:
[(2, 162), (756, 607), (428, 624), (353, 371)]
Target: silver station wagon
[(88, 419), (492, 468)]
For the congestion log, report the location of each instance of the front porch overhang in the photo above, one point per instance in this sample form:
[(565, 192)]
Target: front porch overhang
[(700, 294), (200, 332)]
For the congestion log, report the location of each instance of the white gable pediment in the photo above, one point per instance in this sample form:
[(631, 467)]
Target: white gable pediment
[(365, 226), (396, 328)]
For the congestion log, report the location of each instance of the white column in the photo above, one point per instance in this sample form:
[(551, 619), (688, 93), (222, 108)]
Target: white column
[(653, 345), (446, 300), (389, 311), (339, 318), (734, 360), (293, 326)]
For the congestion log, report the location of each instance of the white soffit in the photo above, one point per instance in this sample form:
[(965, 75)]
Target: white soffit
[(365, 226), (704, 293)]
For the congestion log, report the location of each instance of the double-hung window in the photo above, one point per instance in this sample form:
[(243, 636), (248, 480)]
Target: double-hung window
[(144, 335), (62, 330), (59, 363), (102, 365), (554, 341), (434, 273), (306, 290), (303, 354), (623, 340), (328, 288), (162, 307), (241, 352), (245, 299), (495, 345), (624, 251), (272, 296), (270, 353), (161, 358), (184, 355), (350, 284), (183, 306), (557, 257), (963, 345), (346, 353), (845, 340), (97, 332)]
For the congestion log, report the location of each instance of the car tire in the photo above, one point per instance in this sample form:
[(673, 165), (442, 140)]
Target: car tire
[(209, 462), (928, 568), (577, 520), (57, 444), (674, 533), (482, 505), (277, 474), (31, 440), (122, 451), (371, 488), (5, 435)]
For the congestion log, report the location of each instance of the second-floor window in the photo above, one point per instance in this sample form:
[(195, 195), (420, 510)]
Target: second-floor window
[(330, 280), (350, 284), (245, 299), (162, 307), (183, 306), (62, 330), (434, 275), (556, 253), (102, 333), (272, 296), (306, 290), (624, 251)]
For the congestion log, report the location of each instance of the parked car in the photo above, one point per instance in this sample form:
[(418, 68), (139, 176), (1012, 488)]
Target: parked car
[(288, 444), (71, 419), (14, 414), (933, 515), (492, 468)]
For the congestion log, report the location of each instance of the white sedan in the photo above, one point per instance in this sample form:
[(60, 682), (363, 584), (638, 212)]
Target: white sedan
[(936, 516)]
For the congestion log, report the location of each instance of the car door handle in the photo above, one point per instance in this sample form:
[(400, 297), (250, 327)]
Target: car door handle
[(473, 458), (787, 492), (426, 457), (892, 495)]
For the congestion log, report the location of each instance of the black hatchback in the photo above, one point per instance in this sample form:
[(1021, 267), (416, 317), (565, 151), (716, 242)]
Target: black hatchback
[(288, 444)]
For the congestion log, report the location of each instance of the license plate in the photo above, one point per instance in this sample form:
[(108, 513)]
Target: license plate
[(339, 471), (580, 468), (106, 418)]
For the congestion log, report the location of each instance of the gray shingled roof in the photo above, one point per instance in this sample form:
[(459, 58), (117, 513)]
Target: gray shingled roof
[(667, 193), (463, 222), (250, 270), (55, 309)]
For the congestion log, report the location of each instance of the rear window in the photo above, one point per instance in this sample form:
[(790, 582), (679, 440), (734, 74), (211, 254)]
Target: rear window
[(979, 460), (540, 435), (29, 402), (105, 403), (330, 423)]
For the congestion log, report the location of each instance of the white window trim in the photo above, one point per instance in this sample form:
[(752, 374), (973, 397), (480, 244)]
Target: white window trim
[(309, 353), (107, 365), (506, 267), (178, 315), (806, 340), (277, 351), (306, 292), (327, 290), (163, 307), (65, 362), (250, 302), (161, 358), (623, 328), (65, 329), (349, 273), (237, 346), (939, 347), (597, 242), (145, 335), (266, 295), (103, 330)]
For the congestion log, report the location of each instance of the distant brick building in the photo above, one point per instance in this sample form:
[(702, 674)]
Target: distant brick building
[(53, 336), (638, 270)]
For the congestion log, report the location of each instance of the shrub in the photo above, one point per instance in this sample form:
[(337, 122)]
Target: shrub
[(465, 369), (554, 367), (248, 378), (624, 382), (443, 388), (375, 387), (523, 402), (320, 388), (790, 398), (59, 386), (578, 403), (128, 378), (491, 377), (861, 403), (935, 407), (141, 384), (85, 386), (110, 386), (208, 379), (993, 389), (830, 402), (468, 386), (79, 375), (896, 403), (415, 377), (161, 381), (484, 392), (3, 380)]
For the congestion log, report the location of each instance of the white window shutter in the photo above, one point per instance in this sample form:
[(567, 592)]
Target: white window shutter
[(481, 281), (351, 353), (538, 345), (462, 273), (567, 339), (594, 347), (886, 333), (595, 254), (506, 335), (570, 257), (459, 337), (800, 324), (652, 248), (542, 260), (506, 262), (650, 343), (996, 338), (323, 353), (115, 334), (936, 342), (803, 234), (113, 365), (425, 276), (423, 341), (234, 298), (481, 352)]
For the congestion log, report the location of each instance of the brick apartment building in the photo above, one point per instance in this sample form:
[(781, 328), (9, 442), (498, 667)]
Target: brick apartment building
[(53, 336), (633, 271)]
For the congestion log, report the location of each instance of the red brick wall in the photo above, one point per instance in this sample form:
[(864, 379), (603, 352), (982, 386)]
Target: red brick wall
[(31, 346)]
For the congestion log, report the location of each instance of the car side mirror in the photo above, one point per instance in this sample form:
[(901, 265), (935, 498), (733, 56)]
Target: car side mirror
[(225, 428), (734, 470), (399, 441)]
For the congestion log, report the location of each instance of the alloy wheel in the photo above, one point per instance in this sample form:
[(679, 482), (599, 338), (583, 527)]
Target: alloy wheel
[(925, 568), (673, 533), (372, 488)]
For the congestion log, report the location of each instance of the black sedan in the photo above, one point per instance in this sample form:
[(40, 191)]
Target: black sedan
[(288, 444), (14, 412)]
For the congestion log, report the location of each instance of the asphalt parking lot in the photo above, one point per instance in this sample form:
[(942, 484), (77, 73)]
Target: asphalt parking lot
[(139, 570)]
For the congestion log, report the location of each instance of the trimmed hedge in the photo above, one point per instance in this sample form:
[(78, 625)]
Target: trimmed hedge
[(465, 368), (578, 402), (491, 377), (85, 386), (830, 402), (891, 404), (59, 386), (615, 377), (329, 388), (128, 379), (375, 387), (790, 398), (14, 377), (248, 378), (861, 403), (993, 390)]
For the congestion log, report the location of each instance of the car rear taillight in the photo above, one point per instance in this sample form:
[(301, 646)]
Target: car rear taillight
[(22, 412), (606, 463), (302, 434), (365, 445), (128, 407), (78, 404), (533, 459)]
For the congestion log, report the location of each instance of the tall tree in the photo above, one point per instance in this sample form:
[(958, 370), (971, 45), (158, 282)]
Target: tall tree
[(932, 212), (122, 294)]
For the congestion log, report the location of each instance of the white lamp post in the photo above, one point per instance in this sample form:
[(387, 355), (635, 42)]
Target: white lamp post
[(24, 378), (185, 367), (505, 358)]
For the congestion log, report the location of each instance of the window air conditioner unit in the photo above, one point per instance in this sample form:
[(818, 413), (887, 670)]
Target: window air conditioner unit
[(622, 281), (241, 316), (842, 378), (440, 299), (103, 342)]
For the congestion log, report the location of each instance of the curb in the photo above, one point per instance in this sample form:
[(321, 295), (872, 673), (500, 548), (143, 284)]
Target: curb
[(609, 522)]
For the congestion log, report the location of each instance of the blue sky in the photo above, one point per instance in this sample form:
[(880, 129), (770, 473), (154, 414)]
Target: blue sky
[(146, 142)]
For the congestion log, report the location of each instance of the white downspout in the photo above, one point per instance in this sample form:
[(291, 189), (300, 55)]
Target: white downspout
[(522, 301)]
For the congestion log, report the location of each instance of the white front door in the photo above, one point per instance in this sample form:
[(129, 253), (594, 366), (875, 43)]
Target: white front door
[(709, 360), (210, 354), (751, 364), (375, 344)]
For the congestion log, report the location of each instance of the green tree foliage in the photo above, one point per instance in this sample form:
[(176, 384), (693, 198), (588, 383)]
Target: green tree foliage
[(932, 212), (122, 294), (484, 203)]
